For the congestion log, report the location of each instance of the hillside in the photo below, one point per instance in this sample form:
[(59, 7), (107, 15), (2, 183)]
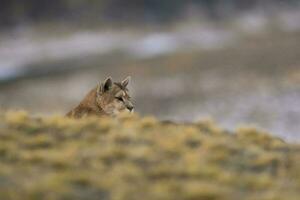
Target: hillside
[(136, 157)]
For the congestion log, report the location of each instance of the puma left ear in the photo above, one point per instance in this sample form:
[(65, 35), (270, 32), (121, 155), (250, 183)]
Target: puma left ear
[(126, 81)]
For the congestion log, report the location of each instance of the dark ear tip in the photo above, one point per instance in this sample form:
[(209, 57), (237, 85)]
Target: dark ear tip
[(126, 81), (109, 79)]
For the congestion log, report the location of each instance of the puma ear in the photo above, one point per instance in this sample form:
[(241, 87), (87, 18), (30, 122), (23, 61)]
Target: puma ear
[(126, 81), (107, 84), (99, 89)]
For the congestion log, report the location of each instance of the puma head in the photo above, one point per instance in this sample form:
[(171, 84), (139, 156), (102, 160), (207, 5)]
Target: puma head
[(113, 97)]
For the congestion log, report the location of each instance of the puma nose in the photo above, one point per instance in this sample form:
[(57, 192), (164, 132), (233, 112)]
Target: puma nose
[(130, 107)]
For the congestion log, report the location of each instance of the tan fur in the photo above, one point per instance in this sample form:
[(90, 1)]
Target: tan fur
[(108, 99)]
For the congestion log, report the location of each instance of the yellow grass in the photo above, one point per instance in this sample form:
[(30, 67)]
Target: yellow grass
[(141, 158)]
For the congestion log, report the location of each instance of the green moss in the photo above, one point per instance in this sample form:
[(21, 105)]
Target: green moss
[(141, 158)]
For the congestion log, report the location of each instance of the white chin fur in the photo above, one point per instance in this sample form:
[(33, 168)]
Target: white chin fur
[(128, 111)]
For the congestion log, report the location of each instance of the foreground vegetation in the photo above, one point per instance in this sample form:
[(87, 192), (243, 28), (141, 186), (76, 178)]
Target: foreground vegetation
[(141, 158)]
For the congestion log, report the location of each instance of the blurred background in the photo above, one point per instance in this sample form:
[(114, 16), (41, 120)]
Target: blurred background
[(235, 61)]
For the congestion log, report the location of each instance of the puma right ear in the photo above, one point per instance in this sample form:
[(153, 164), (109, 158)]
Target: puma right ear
[(107, 84), (104, 87), (99, 89)]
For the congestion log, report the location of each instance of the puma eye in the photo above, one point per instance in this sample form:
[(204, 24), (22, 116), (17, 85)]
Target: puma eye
[(119, 98)]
